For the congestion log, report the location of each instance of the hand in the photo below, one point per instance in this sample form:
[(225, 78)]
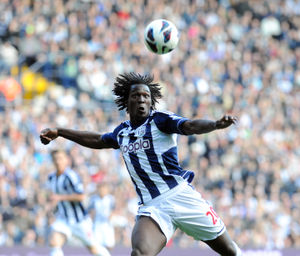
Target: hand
[(225, 121), (48, 135)]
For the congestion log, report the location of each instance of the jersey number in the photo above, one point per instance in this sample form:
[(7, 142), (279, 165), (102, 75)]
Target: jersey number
[(213, 215)]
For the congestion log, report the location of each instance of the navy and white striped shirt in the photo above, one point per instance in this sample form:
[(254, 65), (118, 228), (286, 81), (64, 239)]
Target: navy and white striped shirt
[(150, 153), (68, 182)]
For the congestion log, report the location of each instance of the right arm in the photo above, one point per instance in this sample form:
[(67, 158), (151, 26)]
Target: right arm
[(84, 138)]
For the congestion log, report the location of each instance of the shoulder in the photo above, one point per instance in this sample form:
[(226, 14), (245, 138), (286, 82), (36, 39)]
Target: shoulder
[(93, 199), (168, 122), (159, 116), (72, 175), (122, 126), (111, 138), (162, 115), (51, 176), (113, 135)]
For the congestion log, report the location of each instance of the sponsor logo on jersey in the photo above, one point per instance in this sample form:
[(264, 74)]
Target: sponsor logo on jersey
[(135, 146)]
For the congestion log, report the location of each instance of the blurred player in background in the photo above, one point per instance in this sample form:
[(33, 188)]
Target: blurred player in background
[(101, 207), (148, 142), (71, 217)]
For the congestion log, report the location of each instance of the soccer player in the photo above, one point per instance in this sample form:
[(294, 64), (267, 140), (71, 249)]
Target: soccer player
[(149, 147), (71, 217), (101, 207)]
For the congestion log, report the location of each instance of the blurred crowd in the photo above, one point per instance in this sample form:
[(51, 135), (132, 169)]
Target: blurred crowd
[(238, 57)]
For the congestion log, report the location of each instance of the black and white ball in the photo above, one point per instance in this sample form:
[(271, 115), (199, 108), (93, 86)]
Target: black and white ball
[(161, 36)]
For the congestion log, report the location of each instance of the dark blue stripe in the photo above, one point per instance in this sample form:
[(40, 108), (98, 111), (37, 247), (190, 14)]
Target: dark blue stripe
[(84, 212), (51, 176), (171, 162), (72, 185), (61, 203), (221, 230), (153, 160), (74, 209), (154, 192), (138, 191), (73, 204), (189, 176)]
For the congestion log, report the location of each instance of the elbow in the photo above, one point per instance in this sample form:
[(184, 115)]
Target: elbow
[(187, 128), (188, 132)]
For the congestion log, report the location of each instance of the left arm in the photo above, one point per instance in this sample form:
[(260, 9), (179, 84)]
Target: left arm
[(199, 126)]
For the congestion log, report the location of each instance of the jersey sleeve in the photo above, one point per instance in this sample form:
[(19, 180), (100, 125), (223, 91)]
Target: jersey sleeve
[(169, 122), (75, 182), (111, 137)]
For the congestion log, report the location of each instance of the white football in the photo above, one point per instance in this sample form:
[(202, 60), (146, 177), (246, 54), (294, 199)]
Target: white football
[(161, 36)]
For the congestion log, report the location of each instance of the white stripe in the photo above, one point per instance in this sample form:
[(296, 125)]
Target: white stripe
[(154, 177), (133, 174), (170, 142), (71, 211)]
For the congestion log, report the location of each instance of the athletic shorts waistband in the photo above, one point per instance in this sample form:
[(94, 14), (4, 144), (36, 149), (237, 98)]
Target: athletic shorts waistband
[(167, 194)]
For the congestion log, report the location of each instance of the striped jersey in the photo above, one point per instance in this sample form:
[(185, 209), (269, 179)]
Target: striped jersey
[(150, 153), (68, 182)]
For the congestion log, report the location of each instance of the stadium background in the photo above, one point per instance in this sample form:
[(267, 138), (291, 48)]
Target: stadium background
[(58, 61)]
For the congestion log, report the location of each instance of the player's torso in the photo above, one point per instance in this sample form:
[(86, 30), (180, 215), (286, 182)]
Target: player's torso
[(71, 211), (151, 158), (145, 140), (59, 184)]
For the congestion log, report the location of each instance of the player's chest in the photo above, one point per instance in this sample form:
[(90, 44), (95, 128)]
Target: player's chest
[(60, 184), (139, 139)]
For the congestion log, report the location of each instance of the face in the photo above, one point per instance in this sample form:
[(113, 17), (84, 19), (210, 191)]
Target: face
[(61, 161), (139, 103), (103, 189)]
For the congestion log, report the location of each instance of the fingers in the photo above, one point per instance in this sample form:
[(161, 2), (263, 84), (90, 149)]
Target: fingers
[(45, 140), (43, 137), (232, 119), (44, 132)]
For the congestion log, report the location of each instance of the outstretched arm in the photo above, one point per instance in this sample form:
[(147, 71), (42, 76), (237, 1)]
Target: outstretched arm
[(84, 138), (199, 126), (67, 197)]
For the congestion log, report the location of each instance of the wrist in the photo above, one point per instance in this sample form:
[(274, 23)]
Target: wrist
[(58, 132)]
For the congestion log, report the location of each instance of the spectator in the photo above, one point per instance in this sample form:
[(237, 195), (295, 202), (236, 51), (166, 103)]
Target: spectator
[(225, 61)]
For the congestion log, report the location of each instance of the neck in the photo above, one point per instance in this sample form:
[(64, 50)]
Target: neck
[(137, 122), (59, 172)]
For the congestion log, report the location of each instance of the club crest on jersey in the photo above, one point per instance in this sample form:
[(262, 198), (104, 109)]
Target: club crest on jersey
[(141, 131), (135, 146)]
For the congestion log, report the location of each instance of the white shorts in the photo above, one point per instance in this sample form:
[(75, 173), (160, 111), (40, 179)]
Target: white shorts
[(183, 207), (104, 234), (82, 230)]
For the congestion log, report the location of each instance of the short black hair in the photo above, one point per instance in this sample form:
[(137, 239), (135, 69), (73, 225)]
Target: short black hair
[(125, 81)]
